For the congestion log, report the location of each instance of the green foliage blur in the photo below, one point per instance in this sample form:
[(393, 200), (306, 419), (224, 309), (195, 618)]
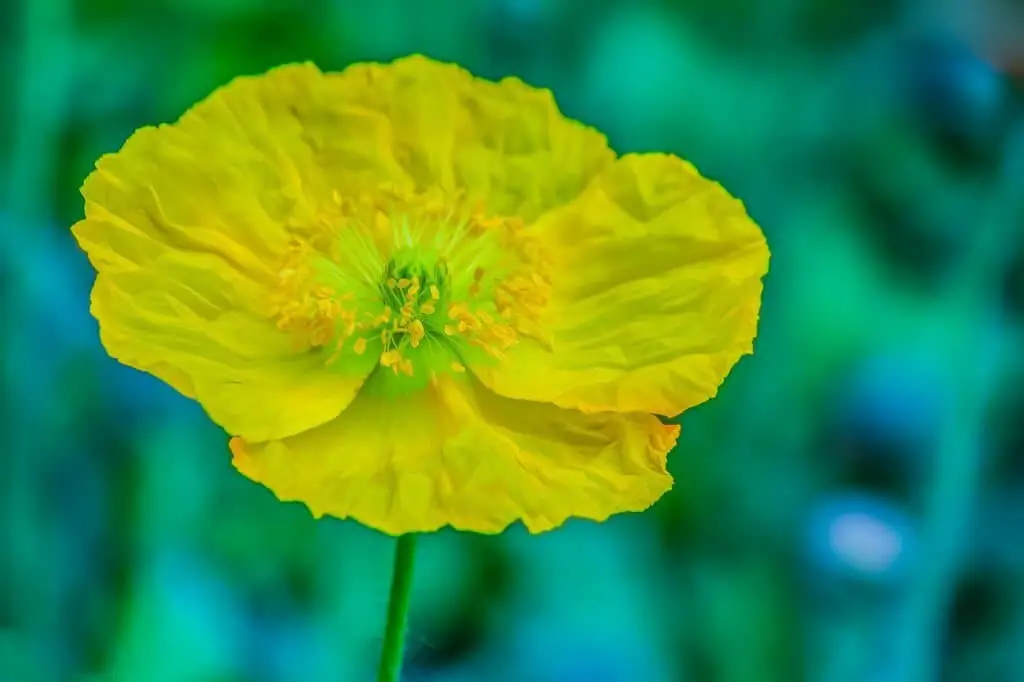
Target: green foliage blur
[(849, 509)]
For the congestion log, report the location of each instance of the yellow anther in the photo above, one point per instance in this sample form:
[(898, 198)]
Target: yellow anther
[(322, 293), (325, 308), (416, 333), (488, 348), (504, 274)]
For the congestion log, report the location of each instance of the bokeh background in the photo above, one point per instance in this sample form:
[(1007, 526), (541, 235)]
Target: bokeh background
[(849, 509)]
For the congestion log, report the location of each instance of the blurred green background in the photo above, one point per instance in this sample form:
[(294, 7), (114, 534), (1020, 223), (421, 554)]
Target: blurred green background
[(850, 509)]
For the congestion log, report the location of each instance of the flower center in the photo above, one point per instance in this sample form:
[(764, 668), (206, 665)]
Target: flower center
[(410, 289), (415, 279)]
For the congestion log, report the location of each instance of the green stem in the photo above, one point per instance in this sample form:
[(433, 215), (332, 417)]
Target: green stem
[(398, 610)]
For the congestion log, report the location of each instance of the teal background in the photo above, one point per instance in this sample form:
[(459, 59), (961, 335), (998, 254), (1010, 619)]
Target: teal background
[(849, 509)]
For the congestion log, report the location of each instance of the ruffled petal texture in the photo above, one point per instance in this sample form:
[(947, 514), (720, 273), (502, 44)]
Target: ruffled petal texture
[(186, 226), (187, 222), (457, 454), (417, 298), (656, 290), (436, 126)]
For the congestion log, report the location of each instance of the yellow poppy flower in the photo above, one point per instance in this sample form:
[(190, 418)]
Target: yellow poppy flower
[(418, 298)]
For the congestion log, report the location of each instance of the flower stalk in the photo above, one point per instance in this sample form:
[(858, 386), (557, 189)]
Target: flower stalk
[(391, 654)]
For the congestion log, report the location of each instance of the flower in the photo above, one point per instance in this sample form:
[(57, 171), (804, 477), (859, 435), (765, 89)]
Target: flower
[(418, 298)]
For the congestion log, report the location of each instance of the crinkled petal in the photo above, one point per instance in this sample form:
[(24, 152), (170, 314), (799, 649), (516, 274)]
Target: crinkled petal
[(656, 288), (503, 143), (243, 371), (186, 226), (457, 454), (188, 223)]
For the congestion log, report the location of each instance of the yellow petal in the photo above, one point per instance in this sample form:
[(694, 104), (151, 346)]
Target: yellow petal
[(188, 223), (242, 370), (187, 226), (435, 125), (457, 454), (655, 293)]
